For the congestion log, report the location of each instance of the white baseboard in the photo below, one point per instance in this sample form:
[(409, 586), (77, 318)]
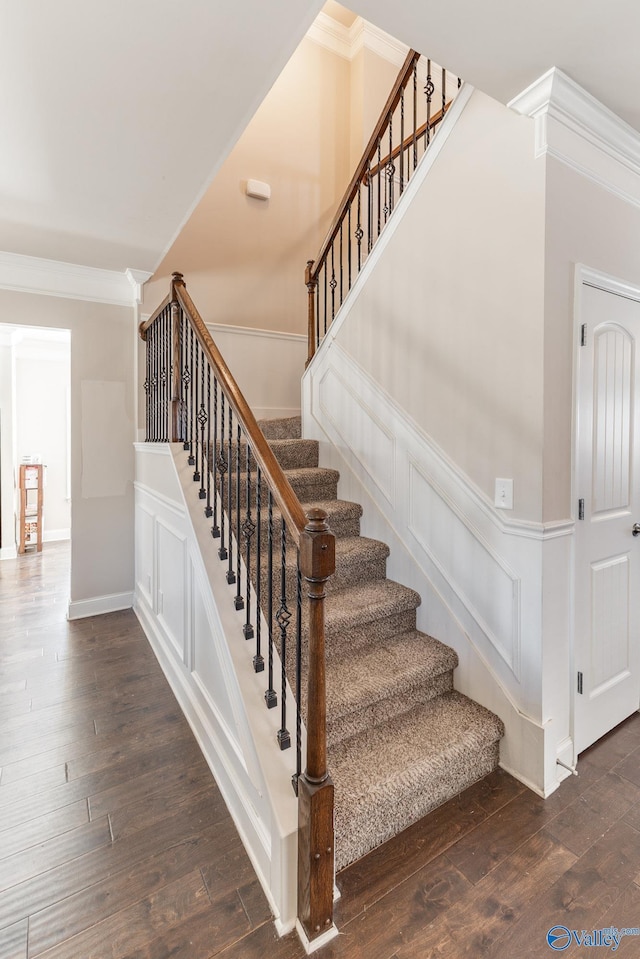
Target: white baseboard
[(8, 552), (56, 535), (97, 605)]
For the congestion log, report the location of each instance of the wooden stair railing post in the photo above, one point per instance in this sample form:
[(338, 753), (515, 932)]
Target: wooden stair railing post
[(315, 787), (176, 431), (311, 283)]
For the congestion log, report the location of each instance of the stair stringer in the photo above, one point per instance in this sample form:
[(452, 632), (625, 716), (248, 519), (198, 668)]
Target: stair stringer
[(185, 607), (400, 477)]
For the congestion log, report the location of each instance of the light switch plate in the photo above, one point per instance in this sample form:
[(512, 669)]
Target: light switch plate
[(504, 494)]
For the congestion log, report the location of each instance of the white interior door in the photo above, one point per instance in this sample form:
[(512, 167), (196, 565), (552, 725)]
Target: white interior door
[(607, 639)]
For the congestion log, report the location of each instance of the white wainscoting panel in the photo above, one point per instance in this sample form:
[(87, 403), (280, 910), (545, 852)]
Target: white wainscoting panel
[(480, 574), (186, 609)]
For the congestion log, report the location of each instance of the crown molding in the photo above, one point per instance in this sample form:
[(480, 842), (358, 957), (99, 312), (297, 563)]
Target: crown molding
[(366, 35), (31, 274), (580, 131), (347, 42), (333, 36)]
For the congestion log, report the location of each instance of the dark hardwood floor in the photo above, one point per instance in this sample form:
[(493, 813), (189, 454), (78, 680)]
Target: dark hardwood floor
[(115, 842)]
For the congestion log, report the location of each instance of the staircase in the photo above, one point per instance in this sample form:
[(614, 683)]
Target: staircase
[(401, 740)]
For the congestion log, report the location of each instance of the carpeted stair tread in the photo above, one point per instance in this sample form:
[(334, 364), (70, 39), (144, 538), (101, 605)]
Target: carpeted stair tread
[(391, 667), (366, 603), (292, 453), (394, 773), (288, 427), (358, 560), (343, 517)]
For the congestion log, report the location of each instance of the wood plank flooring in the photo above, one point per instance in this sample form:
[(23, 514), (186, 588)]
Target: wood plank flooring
[(115, 842)]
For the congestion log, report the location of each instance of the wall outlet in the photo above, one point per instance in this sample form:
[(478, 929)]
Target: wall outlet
[(504, 494)]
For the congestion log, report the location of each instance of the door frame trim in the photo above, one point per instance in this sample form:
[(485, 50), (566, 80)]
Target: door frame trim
[(583, 276)]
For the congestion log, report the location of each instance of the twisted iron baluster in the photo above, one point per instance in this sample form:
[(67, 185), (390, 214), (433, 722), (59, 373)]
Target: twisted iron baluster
[(298, 675), (231, 576), (215, 529), (222, 469), (186, 379), (359, 233), (196, 412), (270, 695), (191, 461), (333, 283), (258, 659), (428, 89), (248, 528), (390, 171), (208, 511), (282, 618), (238, 601), (379, 185)]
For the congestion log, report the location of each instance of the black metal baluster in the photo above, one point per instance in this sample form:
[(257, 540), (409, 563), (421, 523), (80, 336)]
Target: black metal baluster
[(196, 412), (359, 233), (379, 186), (341, 261), (317, 314), (215, 529), (258, 659), (154, 382), (390, 167), (270, 696), (402, 142), (203, 418), (208, 510), (238, 601), (325, 297), (191, 461), (248, 528), (162, 374), (332, 284), (349, 247), (444, 93), (369, 208), (428, 89), (459, 82), (283, 617), (298, 675), (231, 576), (186, 379), (222, 470), (415, 115), (167, 375), (147, 386)]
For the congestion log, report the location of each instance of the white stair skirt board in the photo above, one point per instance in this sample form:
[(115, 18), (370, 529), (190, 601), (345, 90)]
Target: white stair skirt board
[(97, 605), (401, 477), (186, 608)]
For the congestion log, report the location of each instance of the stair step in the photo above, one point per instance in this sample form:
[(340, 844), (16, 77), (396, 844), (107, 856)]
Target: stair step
[(368, 613), (385, 681), (308, 483), (284, 428), (290, 454), (392, 774)]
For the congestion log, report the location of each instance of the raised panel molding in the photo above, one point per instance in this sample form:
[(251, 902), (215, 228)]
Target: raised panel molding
[(370, 442), (478, 577), (171, 584)]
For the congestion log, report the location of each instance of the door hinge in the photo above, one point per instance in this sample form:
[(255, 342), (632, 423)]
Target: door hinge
[(580, 683), (580, 509), (583, 335)]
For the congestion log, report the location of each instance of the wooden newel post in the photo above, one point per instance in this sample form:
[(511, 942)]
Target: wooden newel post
[(311, 283), (315, 788), (176, 430)]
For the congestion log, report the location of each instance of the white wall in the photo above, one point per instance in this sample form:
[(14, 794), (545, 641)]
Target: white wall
[(102, 433)]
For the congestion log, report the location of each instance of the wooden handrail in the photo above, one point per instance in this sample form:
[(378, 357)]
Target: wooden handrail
[(156, 313), (392, 102), (286, 499), (408, 142)]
